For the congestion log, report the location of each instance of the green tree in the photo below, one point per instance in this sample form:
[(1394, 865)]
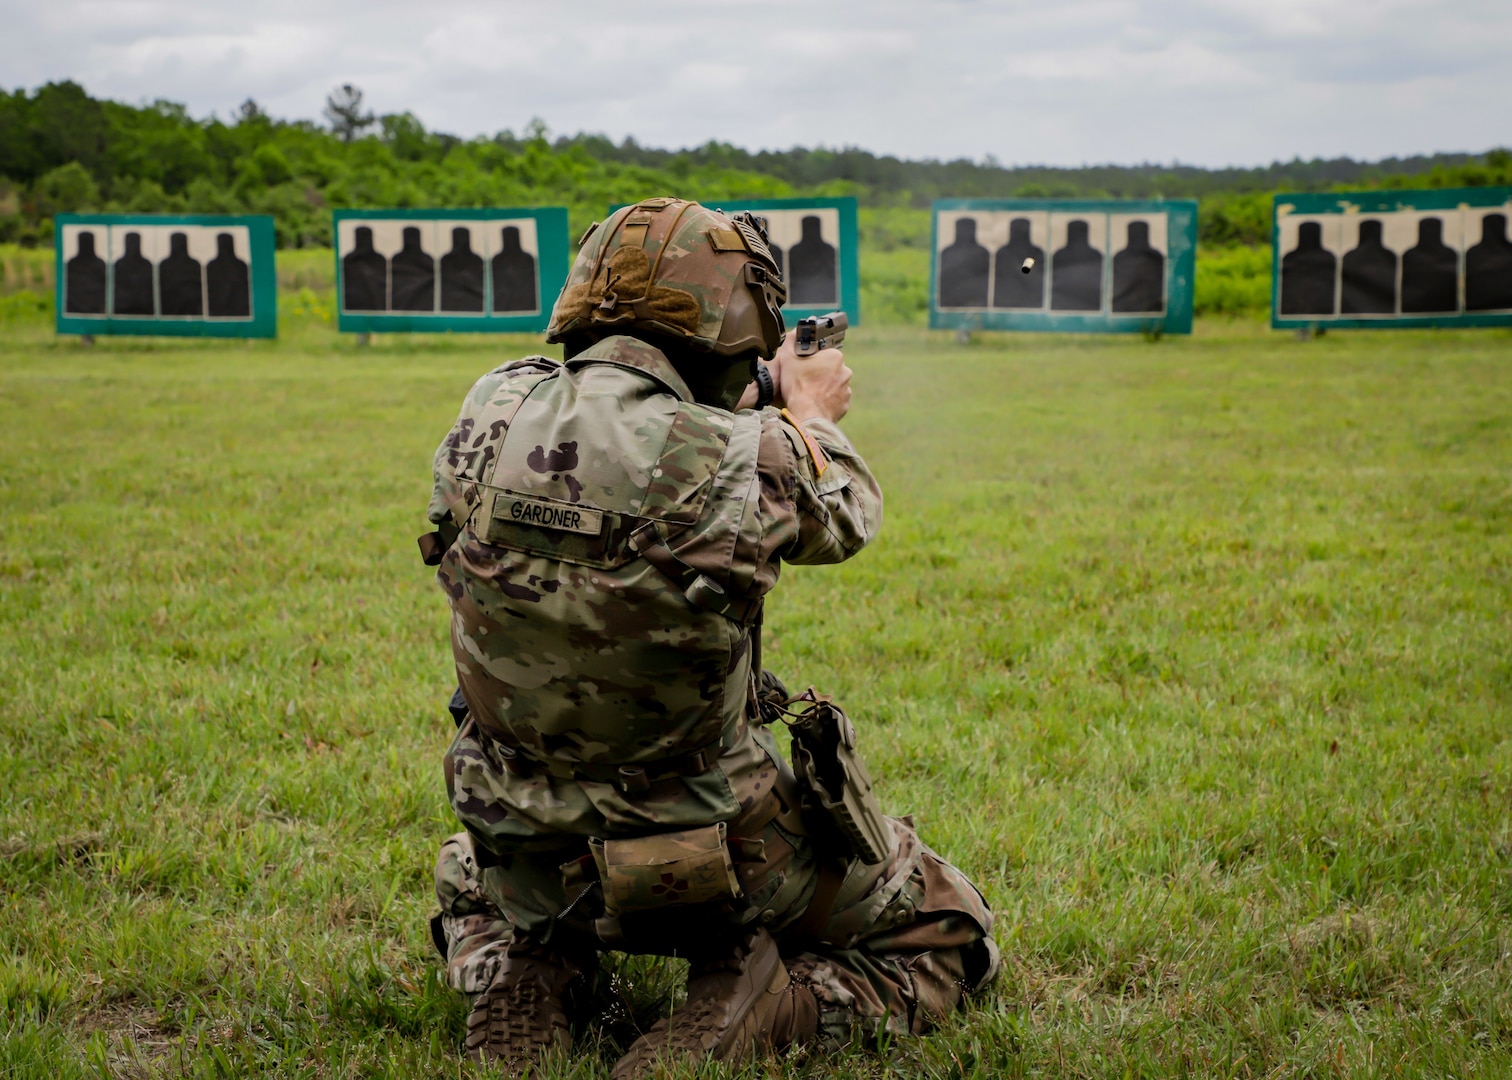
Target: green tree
[(67, 189), (271, 165), (59, 124), (250, 112), (343, 109), (406, 136), (160, 158)]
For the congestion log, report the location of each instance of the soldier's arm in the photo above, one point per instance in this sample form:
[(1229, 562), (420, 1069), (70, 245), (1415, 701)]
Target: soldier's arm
[(835, 498), (797, 514)]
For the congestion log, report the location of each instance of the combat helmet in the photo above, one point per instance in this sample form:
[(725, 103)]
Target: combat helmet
[(702, 282)]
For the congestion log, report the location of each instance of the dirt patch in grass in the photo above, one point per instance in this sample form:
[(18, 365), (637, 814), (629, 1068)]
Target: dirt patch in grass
[(134, 1040)]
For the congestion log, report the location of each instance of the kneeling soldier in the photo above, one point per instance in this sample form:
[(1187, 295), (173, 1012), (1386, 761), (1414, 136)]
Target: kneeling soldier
[(607, 530)]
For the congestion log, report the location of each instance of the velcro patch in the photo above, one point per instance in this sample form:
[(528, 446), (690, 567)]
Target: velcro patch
[(515, 509), (726, 240)]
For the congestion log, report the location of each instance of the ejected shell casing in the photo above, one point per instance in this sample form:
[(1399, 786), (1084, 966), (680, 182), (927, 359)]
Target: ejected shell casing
[(1028, 265)]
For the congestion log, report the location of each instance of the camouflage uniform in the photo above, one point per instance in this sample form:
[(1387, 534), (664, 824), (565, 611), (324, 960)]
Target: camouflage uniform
[(616, 540)]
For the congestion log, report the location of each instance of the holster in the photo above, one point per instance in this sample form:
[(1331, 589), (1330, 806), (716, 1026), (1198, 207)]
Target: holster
[(837, 790)]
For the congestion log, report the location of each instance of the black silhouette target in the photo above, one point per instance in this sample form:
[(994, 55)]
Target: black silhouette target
[(812, 272), (805, 244), (132, 286), (1430, 271), (181, 280), (461, 273), (412, 274), (1094, 265), (1418, 258), (364, 274), (441, 267), (964, 269), (84, 275), (514, 275), (1308, 274), (197, 271), (1076, 269), (1011, 287), (1038, 259), (141, 271), (228, 283), (1369, 276), (1488, 266), (1139, 271)]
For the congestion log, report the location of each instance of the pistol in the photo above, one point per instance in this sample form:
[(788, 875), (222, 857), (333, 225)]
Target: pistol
[(820, 332)]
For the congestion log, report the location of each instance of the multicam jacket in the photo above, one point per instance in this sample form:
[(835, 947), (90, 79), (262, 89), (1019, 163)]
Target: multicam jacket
[(616, 539)]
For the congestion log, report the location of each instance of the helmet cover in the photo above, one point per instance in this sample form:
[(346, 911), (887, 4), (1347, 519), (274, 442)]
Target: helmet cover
[(675, 270)]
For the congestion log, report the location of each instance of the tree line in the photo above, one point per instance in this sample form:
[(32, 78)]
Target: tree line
[(62, 150)]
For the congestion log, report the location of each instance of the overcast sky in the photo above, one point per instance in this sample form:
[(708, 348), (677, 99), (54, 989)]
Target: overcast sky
[(1209, 82)]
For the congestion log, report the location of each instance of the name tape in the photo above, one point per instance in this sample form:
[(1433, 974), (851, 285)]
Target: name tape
[(544, 514)]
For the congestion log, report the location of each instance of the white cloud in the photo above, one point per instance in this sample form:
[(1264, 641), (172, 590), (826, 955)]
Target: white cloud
[(1207, 81)]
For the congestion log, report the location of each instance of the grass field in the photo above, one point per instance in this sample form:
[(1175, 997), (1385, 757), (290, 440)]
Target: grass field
[(1196, 654)]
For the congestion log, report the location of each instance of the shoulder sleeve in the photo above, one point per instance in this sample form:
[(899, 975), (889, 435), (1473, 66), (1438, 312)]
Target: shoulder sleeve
[(835, 500), (469, 448)]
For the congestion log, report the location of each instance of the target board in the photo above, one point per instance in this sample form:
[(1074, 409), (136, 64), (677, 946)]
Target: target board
[(1393, 258), (194, 275), (814, 243), (493, 270), (1066, 265)]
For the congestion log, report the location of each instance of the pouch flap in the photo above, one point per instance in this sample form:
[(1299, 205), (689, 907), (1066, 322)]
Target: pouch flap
[(665, 848), (650, 872)]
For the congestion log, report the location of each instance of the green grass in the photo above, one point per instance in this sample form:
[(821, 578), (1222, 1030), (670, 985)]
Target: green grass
[(1195, 654), (29, 269)]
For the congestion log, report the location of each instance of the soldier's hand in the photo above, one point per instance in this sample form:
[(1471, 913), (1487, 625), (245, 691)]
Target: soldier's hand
[(812, 386)]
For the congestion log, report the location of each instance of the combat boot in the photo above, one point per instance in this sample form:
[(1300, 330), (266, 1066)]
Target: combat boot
[(523, 1013), (738, 1002)]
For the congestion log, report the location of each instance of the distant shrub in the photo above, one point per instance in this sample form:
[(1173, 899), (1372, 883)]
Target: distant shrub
[(1226, 220), (1233, 280), (25, 305), (892, 293), (66, 189), (1494, 171)]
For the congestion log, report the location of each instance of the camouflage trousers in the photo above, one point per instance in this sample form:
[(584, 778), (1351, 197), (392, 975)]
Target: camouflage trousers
[(903, 944)]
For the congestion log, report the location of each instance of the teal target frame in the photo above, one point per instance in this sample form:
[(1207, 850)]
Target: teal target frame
[(1464, 206), (256, 230), (1177, 216), (552, 254)]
